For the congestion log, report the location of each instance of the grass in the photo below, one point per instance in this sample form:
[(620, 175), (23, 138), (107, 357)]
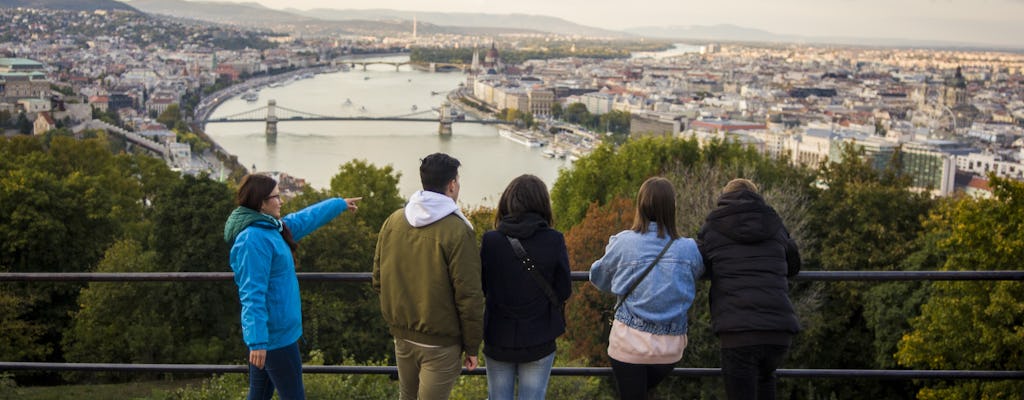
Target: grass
[(134, 390)]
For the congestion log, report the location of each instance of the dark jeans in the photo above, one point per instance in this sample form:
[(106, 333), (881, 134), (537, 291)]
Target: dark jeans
[(749, 371), (635, 381), (283, 371)]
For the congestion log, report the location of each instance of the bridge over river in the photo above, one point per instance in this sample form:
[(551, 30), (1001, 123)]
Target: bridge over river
[(273, 114)]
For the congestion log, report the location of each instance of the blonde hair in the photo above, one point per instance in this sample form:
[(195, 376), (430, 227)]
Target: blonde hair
[(738, 184)]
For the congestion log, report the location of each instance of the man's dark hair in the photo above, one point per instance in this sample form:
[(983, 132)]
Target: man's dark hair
[(436, 170)]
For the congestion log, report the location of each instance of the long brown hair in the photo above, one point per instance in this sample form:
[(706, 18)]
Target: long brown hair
[(252, 192), (656, 202), (526, 193)]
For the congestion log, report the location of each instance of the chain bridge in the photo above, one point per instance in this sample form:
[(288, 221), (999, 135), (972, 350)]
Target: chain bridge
[(273, 114)]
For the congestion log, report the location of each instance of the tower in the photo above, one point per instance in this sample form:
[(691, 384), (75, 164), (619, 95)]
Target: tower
[(446, 119), (414, 27), (475, 67), (271, 122), (955, 93)]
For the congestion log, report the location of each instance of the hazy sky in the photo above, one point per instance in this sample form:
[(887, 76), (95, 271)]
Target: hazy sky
[(981, 21)]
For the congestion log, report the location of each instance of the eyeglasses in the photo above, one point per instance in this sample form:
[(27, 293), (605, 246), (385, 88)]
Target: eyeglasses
[(276, 196)]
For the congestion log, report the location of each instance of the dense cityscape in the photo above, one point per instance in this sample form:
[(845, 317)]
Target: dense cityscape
[(955, 116), (888, 166)]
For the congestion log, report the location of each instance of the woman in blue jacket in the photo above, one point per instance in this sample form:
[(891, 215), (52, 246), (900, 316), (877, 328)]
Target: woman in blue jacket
[(523, 314), (263, 260), (648, 334)]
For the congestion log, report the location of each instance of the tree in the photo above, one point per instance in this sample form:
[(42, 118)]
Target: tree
[(23, 124), (183, 322), (577, 113), (378, 186), (556, 110), (170, 116), (608, 172), (973, 324), (588, 310), (65, 193), (865, 220), (347, 244)]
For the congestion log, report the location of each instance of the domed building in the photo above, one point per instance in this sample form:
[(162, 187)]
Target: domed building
[(492, 61), (955, 100)]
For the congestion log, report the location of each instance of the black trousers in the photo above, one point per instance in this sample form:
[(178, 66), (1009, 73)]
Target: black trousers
[(636, 381), (749, 371)]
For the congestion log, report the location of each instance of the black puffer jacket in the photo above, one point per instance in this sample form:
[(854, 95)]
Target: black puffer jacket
[(748, 256)]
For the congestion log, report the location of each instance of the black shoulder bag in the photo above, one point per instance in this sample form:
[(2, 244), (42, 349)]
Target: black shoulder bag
[(642, 276), (531, 268)]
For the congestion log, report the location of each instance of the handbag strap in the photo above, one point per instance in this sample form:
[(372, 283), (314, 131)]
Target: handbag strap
[(530, 267), (642, 276)]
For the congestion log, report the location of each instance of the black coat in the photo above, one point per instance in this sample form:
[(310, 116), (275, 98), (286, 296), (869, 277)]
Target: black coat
[(520, 323), (748, 255)]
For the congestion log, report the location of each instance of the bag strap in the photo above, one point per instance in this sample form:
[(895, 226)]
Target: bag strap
[(642, 276), (530, 267)]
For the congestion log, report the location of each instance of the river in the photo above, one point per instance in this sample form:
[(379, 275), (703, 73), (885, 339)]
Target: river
[(314, 150)]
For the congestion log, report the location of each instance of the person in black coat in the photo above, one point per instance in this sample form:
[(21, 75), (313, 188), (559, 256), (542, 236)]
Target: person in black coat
[(749, 257), (522, 318)]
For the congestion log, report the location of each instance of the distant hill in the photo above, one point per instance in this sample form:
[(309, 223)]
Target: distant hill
[(71, 5), (345, 22), (513, 22), (734, 33), (246, 14)]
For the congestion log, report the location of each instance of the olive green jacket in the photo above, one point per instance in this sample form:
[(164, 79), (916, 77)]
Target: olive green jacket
[(428, 279)]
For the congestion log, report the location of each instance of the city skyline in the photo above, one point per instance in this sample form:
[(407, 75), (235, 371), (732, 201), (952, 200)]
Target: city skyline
[(988, 22)]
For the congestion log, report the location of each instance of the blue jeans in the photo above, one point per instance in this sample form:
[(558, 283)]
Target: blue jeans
[(533, 378), (749, 371), (283, 371)]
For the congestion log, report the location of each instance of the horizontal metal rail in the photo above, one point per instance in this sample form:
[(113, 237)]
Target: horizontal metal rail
[(1006, 275), (557, 371)]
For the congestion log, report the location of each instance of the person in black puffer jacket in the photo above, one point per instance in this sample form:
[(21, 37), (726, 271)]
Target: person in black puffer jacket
[(749, 256)]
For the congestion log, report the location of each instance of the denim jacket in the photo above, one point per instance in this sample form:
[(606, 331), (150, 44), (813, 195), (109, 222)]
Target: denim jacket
[(660, 302)]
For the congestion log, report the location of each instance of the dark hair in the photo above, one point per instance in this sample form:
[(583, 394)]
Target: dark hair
[(526, 193), (656, 202), (252, 192), (437, 170)]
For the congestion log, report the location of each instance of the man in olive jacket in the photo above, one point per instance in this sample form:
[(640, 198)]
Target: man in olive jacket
[(426, 269)]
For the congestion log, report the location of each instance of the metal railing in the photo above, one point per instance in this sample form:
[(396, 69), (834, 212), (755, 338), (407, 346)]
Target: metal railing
[(832, 276)]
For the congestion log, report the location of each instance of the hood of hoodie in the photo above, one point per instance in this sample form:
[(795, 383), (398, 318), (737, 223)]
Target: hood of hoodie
[(521, 226), (242, 217), (744, 217), (426, 207)]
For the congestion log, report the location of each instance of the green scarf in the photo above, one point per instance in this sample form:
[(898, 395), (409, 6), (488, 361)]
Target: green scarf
[(241, 218)]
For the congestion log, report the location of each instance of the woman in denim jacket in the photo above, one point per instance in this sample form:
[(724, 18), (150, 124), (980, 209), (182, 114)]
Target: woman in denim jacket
[(648, 334)]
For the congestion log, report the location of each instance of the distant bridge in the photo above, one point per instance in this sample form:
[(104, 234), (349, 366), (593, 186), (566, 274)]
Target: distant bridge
[(396, 64), (273, 114), (432, 67)]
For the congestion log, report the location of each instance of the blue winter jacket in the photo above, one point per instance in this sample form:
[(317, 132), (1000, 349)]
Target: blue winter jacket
[(265, 274), (659, 303)]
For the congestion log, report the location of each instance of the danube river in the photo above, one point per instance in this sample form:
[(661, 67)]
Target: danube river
[(314, 150)]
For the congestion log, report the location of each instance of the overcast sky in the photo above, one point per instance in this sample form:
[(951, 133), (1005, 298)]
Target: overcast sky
[(999, 22)]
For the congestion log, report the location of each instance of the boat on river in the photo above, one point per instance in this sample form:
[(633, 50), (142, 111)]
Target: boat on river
[(524, 138)]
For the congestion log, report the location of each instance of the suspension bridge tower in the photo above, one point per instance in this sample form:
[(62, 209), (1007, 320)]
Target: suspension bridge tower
[(445, 115), (271, 122)]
